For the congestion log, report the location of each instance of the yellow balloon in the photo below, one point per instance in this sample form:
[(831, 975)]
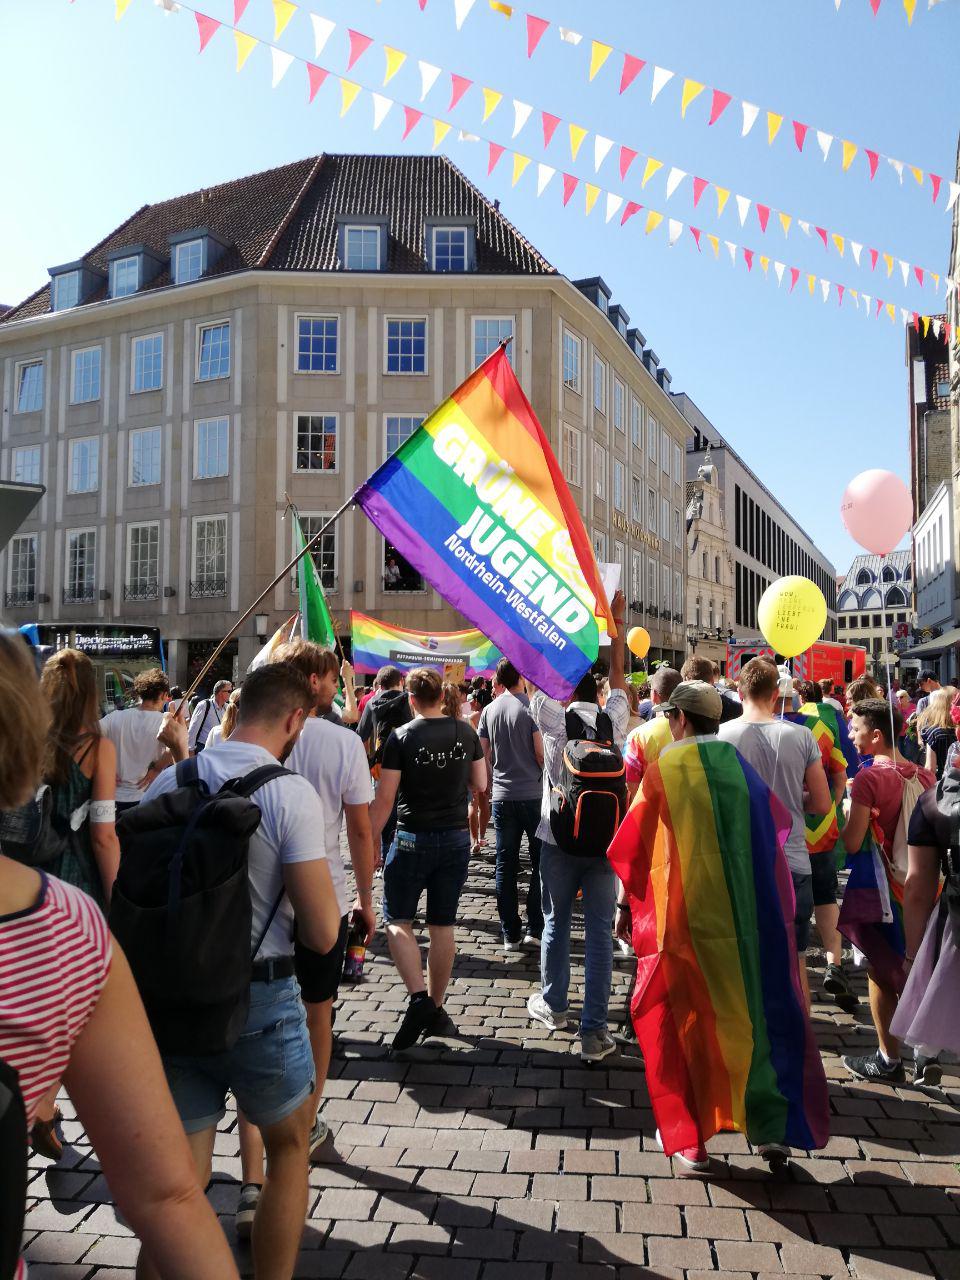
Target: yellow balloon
[(638, 641), (792, 614)]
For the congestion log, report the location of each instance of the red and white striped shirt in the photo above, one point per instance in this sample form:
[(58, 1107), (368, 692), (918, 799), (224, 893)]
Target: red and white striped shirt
[(54, 960)]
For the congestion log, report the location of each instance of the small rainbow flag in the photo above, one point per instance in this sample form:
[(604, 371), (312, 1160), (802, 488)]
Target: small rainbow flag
[(871, 913), (718, 1008), (475, 500), (377, 644)]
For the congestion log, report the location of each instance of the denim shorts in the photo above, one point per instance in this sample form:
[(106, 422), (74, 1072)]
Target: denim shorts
[(803, 890), (824, 870), (433, 860), (270, 1069)]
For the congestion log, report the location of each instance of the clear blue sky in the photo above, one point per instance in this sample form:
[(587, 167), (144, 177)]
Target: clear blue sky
[(115, 115)]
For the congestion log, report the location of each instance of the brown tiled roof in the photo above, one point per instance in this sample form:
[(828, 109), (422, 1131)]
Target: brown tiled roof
[(285, 219)]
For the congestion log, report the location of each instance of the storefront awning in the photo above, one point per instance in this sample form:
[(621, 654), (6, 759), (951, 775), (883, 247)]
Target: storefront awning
[(931, 647)]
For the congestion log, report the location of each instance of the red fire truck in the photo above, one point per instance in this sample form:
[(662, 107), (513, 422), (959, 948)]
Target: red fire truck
[(840, 663)]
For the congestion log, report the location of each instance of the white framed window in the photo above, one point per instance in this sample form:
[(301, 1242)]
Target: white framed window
[(211, 448), (450, 248), (361, 248), (678, 604), (653, 437), (406, 345), (665, 595), (29, 377), (124, 276), (619, 485), (399, 427), (488, 333), (146, 363), (636, 578), (651, 582), (209, 556), (636, 422), (146, 445), (25, 467), (572, 455), (599, 545), (83, 475), (651, 510), (318, 344), (619, 405), (572, 361), (22, 570), (81, 570), (636, 499), (188, 261), (213, 351), (599, 385), (620, 558), (599, 472), (316, 441), (677, 527), (143, 562), (665, 519), (677, 464), (85, 376), (324, 554), (664, 451), (66, 290)]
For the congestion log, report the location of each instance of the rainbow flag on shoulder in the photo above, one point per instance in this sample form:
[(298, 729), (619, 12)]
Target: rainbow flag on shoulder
[(718, 1009), (475, 500)]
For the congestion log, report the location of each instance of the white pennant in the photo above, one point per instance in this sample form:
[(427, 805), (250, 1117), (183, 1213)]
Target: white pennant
[(428, 77), (544, 174), (804, 226), (825, 142), (661, 77), (743, 208), (168, 6), (674, 230), (937, 325), (614, 203), (866, 301), (732, 249), (674, 178), (281, 64), (521, 114), (837, 3), (323, 29), (825, 288), (856, 250), (571, 37), (381, 109), (461, 11), (750, 113), (855, 296), (464, 136), (954, 194), (897, 167), (601, 149), (779, 269), (904, 269)]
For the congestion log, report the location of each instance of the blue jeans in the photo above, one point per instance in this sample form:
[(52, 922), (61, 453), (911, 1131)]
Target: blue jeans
[(512, 819), (561, 875)]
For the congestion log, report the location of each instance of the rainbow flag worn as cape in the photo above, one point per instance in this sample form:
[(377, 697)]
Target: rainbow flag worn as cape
[(822, 830), (376, 644), (644, 745), (718, 1007), (475, 500)]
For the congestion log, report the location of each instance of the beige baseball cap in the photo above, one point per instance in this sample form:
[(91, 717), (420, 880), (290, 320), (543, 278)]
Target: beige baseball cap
[(697, 697)]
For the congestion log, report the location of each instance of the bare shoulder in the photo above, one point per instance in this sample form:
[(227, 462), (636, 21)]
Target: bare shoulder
[(19, 887)]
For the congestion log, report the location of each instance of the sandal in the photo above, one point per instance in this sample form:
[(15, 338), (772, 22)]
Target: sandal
[(44, 1139)]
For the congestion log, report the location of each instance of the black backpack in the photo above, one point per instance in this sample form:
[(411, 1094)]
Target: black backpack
[(388, 714), (29, 835), (181, 907), (589, 802), (13, 1169)]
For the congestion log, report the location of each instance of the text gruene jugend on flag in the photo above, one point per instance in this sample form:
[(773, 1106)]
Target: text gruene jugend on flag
[(476, 502)]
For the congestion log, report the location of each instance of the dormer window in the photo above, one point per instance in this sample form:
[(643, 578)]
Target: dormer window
[(451, 248), (188, 261), (361, 248), (193, 252), (66, 290), (124, 276)]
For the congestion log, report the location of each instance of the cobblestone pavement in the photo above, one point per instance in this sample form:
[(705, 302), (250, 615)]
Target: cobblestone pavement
[(500, 1157)]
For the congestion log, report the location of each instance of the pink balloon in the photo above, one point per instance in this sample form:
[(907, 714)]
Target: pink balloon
[(877, 510)]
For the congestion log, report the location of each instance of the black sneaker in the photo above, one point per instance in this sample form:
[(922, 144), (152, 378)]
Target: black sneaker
[(443, 1026), (418, 1018), (835, 984), (871, 1066), (927, 1071)]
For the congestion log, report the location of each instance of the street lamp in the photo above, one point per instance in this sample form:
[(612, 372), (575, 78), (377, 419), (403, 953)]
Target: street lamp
[(260, 622)]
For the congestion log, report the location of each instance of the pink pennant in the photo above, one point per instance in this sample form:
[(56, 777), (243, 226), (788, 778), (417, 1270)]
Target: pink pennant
[(631, 69), (916, 321), (359, 44), (873, 159), (459, 86), (947, 330), (880, 306), (794, 277), (549, 126), (874, 255), (763, 213), (629, 211), (719, 105), (535, 29), (699, 187), (570, 184), (937, 182), (412, 117), (317, 76), (423, 5), (800, 134), (840, 289), (494, 154), (238, 8), (696, 233), (875, 6), (748, 258), (918, 272), (207, 28), (822, 233), (627, 157)]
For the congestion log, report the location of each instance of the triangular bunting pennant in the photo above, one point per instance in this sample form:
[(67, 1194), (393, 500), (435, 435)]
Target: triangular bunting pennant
[(794, 277), (743, 208), (936, 327), (653, 220), (779, 269), (822, 233), (799, 134), (207, 28), (323, 29), (461, 11), (838, 242), (348, 95), (691, 90), (674, 231), (918, 175), (245, 46), (765, 264), (897, 167), (954, 194), (505, 10), (811, 284), (714, 244), (748, 258), (568, 36), (359, 44), (283, 11), (458, 87), (696, 233), (494, 152), (316, 76), (773, 126), (281, 64), (519, 166), (926, 325), (723, 195), (491, 100), (599, 53), (750, 113), (936, 182), (428, 77), (544, 174), (892, 312), (631, 208), (804, 226), (440, 130), (614, 205), (549, 126), (674, 178), (888, 262), (874, 255), (521, 114), (395, 60), (763, 216), (918, 272), (627, 157), (849, 151), (732, 250), (577, 135), (535, 29), (824, 142), (411, 118), (785, 220), (825, 289), (381, 109), (840, 288), (120, 8), (873, 159), (570, 184), (239, 6), (601, 149), (631, 69), (856, 250), (649, 169), (590, 192), (904, 270), (699, 186), (718, 105), (661, 78)]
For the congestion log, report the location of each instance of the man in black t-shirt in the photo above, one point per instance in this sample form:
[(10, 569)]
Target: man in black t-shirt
[(429, 767)]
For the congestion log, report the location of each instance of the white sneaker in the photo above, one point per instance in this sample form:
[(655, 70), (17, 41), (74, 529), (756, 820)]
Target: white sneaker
[(530, 940), (246, 1210), (318, 1136), (510, 947), (538, 1009)]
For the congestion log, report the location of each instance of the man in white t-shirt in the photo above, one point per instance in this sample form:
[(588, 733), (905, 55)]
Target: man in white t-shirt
[(133, 732), (270, 1069)]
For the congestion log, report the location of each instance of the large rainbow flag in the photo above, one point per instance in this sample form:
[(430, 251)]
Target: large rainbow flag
[(375, 644), (718, 1008), (475, 500)]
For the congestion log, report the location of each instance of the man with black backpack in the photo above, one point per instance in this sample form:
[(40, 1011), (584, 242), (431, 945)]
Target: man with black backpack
[(221, 854), (584, 801)]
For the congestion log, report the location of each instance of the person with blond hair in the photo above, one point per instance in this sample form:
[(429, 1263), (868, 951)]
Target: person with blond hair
[(936, 728), (222, 731)]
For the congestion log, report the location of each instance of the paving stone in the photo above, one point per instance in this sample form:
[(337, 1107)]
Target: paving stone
[(757, 1255), (588, 1215), (888, 1264), (812, 1259), (652, 1219), (715, 1224), (673, 1252)]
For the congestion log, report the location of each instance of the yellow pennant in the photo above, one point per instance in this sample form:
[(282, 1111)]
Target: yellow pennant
[(440, 130), (519, 165), (839, 242), (577, 135), (121, 8), (505, 9), (910, 6), (854, 295), (935, 277), (765, 264), (649, 169), (653, 220), (723, 195), (491, 100), (591, 192), (691, 89), (918, 174), (245, 46), (714, 244), (891, 312), (889, 263), (283, 11), (599, 53), (811, 283), (785, 221), (773, 126), (395, 60), (925, 321), (849, 151), (348, 95)]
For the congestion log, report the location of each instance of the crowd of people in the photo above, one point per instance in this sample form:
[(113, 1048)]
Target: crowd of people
[(699, 824)]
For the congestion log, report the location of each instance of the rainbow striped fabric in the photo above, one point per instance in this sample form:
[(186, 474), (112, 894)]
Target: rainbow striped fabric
[(871, 913), (823, 829), (375, 644), (475, 500), (718, 1008)]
